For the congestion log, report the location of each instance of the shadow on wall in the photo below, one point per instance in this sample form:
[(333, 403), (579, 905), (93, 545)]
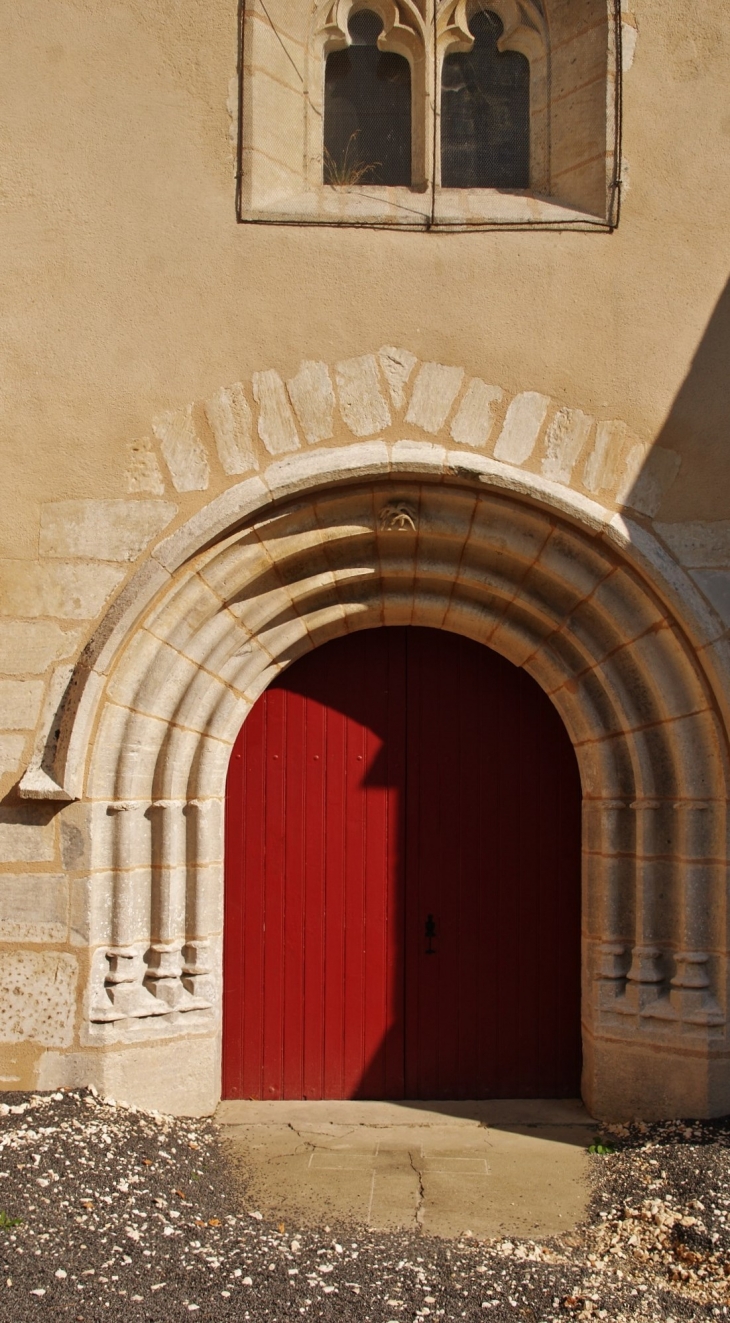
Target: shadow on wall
[(698, 426)]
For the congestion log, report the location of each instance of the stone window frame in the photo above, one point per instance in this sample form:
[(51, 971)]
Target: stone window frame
[(281, 82)]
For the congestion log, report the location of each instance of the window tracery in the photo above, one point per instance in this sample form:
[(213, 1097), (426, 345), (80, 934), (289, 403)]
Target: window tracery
[(429, 113), (367, 110)]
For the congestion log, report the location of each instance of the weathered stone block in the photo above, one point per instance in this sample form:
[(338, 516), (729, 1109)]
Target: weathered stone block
[(37, 997), (522, 425), (397, 366), (715, 584), (72, 592), (658, 471), (625, 1080), (33, 907), (475, 417), (78, 823), (27, 834), (566, 437), (12, 748), (20, 703), (313, 397), (140, 737), (301, 472), (149, 1076), (102, 530), (143, 471), (28, 647), (417, 457), (152, 680), (90, 909), (229, 416), (615, 462), (362, 403), (435, 389), (276, 425), (699, 544), (624, 531), (183, 451), (209, 908)]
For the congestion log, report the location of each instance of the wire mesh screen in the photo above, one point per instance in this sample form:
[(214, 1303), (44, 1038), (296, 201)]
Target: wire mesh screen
[(485, 113), (367, 110)]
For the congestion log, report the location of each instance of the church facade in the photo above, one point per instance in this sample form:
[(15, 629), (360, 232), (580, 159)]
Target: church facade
[(288, 354)]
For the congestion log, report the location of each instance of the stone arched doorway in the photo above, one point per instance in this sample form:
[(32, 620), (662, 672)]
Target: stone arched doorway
[(157, 702)]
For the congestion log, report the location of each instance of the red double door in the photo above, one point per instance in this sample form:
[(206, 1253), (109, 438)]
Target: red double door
[(402, 914)]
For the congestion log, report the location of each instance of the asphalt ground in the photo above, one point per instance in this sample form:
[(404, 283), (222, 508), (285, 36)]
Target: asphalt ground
[(109, 1213)]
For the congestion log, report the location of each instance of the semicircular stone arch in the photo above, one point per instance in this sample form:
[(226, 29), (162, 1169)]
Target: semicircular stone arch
[(547, 593)]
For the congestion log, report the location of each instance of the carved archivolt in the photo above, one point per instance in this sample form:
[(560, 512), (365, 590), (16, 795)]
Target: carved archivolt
[(394, 538)]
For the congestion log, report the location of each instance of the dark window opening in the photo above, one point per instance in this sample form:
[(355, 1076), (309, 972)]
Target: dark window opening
[(367, 110), (485, 113)]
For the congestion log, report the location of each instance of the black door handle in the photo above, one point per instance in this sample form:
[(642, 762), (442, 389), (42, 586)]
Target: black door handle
[(430, 934)]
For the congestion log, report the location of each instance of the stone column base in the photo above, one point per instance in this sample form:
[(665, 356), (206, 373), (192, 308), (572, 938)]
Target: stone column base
[(625, 1081), (181, 1076)]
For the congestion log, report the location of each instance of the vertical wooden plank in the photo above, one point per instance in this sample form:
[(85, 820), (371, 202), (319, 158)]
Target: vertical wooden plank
[(293, 831), (273, 901), (381, 920), (313, 938)]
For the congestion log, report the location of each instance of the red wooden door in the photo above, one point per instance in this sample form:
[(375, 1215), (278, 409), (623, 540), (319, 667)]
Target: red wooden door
[(393, 783)]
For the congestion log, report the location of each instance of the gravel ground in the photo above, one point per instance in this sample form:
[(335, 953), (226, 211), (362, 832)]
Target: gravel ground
[(107, 1212)]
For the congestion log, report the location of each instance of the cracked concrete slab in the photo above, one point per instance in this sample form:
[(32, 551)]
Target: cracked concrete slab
[(448, 1169)]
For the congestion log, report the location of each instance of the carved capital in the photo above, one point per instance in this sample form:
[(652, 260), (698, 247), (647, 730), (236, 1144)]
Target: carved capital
[(397, 517)]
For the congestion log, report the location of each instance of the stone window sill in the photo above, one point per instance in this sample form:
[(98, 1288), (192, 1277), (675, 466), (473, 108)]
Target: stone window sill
[(454, 209)]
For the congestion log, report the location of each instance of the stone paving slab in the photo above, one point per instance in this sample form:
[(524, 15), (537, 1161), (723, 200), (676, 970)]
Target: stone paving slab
[(448, 1169)]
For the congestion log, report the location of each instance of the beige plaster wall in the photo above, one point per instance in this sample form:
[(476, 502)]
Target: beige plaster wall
[(131, 296), (129, 288)]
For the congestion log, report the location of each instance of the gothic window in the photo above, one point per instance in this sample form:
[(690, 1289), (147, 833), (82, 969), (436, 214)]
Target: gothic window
[(367, 110), (430, 114), (485, 112)]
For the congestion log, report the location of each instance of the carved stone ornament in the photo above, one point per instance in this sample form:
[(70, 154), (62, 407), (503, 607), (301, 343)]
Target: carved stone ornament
[(523, 22), (405, 24), (397, 517)]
